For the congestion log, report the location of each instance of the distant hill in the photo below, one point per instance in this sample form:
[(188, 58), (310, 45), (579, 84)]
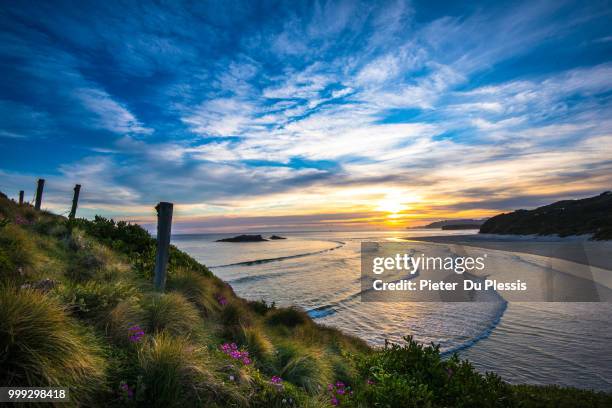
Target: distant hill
[(569, 217), (459, 222)]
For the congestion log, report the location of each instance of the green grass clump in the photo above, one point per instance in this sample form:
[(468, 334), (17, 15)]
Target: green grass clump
[(93, 300), (305, 367), (17, 254), (176, 373), (41, 346), (197, 288), (257, 342), (170, 312)]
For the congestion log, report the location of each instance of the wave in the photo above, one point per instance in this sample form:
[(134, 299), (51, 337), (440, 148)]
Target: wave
[(280, 258), (483, 335)]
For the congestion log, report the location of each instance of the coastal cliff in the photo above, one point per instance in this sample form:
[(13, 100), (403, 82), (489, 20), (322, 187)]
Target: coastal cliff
[(591, 215)]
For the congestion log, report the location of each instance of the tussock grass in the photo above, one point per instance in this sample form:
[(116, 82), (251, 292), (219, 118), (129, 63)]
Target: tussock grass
[(17, 254), (42, 346), (91, 260), (93, 300), (199, 289), (259, 345), (303, 366), (176, 373), (170, 312), (121, 318)]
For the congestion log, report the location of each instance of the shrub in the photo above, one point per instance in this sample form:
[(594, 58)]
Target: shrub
[(170, 312), (289, 317), (552, 396), (261, 307), (416, 373), (41, 346)]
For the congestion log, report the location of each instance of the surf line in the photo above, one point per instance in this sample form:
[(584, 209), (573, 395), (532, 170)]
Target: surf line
[(280, 258)]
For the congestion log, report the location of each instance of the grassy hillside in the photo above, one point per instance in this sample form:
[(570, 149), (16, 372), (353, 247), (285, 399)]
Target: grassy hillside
[(77, 309), (591, 215)]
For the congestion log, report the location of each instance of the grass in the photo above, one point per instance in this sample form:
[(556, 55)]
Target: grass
[(42, 346), (170, 312), (174, 373), (79, 332)]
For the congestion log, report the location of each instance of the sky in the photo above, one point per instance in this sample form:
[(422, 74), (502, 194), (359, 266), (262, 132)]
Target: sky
[(289, 115)]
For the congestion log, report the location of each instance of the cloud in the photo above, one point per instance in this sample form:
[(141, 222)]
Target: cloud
[(110, 115), (289, 110)]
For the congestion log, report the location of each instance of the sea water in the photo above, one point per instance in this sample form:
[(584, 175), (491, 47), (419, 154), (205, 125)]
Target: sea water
[(540, 343)]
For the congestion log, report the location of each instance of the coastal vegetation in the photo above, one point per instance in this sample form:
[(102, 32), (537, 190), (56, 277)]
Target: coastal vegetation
[(591, 216), (78, 309)]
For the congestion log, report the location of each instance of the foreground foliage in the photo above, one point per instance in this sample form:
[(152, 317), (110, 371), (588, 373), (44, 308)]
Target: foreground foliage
[(77, 309)]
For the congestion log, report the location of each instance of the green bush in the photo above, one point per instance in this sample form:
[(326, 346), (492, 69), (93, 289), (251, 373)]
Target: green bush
[(40, 346), (261, 307), (135, 242), (416, 374), (552, 396), (289, 317)]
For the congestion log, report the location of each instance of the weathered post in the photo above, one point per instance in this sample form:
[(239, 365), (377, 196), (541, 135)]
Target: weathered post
[(21, 197), (39, 193), (164, 224), (75, 201)]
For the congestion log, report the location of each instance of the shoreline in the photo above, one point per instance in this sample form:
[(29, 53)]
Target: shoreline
[(573, 249)]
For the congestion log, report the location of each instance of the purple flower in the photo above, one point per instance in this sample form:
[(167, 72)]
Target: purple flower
[(330, 387), (222, 300), (334, 401), (276, 380), (127, 390), (370, 382), (232, 351), (136, 333)]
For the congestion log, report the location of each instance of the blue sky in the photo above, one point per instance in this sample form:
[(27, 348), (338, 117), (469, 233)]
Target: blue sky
[(281, 115)]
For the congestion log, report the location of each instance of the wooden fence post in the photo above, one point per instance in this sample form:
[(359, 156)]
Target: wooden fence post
[(75, 201), (21, 192), (164, 224), (39, 193)]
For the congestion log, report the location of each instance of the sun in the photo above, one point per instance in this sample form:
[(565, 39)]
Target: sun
[(392, 206)]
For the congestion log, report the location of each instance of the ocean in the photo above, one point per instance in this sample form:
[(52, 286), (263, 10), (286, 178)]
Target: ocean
[(568, 344)]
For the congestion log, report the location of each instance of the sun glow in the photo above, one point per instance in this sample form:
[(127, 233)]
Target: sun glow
[(390, 206)]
